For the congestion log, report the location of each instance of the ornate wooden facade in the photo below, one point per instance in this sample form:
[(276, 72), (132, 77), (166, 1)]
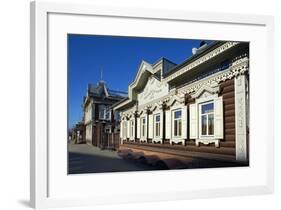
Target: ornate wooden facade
[(200, 106), (101, 123)]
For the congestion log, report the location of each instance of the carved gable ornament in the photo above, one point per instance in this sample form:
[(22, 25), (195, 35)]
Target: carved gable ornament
[(154, 89), (176, 100)]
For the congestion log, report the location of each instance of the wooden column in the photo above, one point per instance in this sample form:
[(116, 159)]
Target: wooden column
[(240, 118)]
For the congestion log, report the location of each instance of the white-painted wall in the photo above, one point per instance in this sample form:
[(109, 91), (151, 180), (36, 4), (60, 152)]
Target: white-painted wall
[(154, 89), (88, 113)]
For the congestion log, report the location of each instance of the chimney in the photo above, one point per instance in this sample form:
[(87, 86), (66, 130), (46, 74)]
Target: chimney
[(202, 46)]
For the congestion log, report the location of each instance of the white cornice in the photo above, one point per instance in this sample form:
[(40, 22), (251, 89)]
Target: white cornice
[(238, 67), (201, 60)]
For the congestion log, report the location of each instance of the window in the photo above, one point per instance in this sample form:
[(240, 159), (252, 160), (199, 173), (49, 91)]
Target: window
[(108, 113), (207, 119), (177, 123), (132, 128), (117, 116), (102, 111), (143, 127), (157, 125)]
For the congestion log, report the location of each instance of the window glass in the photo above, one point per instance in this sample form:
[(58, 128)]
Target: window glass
[(143, 127), (102, 110), (177, 114), (211, 124), (204, 125), (107, 113), (179, 133), (207, 108), (207, 119), (157, 125), (157, 118), (176, 129), (177, 123)]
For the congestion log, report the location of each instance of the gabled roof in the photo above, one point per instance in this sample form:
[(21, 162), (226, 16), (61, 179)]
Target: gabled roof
[(168, 68), (145, 70), (101, 89), (167, 65)]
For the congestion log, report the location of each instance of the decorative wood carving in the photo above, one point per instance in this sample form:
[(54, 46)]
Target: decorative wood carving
[(240, 118), (203, 59), (207, 142)]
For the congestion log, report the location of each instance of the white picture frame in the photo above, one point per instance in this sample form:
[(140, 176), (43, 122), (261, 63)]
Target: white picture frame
[(43, 194)]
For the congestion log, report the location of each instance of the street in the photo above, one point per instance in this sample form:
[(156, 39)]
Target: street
[(83, 158)]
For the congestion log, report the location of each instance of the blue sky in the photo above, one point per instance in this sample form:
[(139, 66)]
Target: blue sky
[(118, 58)]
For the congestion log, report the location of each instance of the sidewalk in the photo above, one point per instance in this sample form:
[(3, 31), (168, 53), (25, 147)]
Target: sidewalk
[(83, 158)]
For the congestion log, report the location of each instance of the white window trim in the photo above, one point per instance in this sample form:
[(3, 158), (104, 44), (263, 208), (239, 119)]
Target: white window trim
[(206, 139), (154, 125), (107, 110), (124, 129), (176, 139), (174, 119), (132, 132), (200, 121), (143, 137)]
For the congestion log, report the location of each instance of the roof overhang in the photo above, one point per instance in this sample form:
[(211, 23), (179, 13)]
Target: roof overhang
[(190, 66), (145, 70)]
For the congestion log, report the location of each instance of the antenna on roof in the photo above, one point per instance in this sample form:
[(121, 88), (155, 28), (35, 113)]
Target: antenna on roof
[(101, 74)]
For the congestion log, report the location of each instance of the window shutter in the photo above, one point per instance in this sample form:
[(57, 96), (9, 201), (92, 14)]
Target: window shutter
[(161, 124), (125, 130), (121, 129), (138, 127), (134, 128), (218, 118), (128, 128), (168, 124), (150, 126), (154, 126), (193, 121), (146, 125), (184, 122)]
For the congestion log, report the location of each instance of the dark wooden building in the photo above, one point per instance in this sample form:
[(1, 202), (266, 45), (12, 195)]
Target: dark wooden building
[(198, 108), (102, 125)]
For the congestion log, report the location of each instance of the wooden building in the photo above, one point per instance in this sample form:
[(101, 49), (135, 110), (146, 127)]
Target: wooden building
[(101, 123), (199, 107)]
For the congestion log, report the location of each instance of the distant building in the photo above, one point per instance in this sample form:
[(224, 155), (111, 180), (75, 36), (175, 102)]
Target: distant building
[(78, 133), (200, 106), (101, 123)]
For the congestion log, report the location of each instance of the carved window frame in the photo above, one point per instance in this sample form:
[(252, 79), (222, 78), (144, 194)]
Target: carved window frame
[(173, 123), (207, 136), (155, 125)]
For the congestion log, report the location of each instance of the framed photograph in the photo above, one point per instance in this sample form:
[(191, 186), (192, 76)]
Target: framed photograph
[(134, 105)]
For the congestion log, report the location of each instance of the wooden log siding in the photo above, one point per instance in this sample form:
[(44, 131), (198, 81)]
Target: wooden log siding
[(227, 144), (227, 92)]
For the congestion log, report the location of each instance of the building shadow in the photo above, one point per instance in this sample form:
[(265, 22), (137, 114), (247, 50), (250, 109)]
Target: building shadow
[(92, 163), (25, 203)]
